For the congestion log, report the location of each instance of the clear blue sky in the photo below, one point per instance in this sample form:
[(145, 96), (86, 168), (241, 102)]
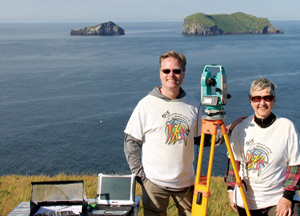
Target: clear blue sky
[(139, 10)]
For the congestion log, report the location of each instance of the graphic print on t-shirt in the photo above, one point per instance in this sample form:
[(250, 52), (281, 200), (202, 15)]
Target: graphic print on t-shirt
[(177, 129), (258, 158)]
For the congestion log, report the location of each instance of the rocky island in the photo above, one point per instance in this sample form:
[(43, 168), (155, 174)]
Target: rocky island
[(222, 24), (107, 28)]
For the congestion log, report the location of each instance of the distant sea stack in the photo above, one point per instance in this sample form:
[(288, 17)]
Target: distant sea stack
[(221, 24), (107, 28)]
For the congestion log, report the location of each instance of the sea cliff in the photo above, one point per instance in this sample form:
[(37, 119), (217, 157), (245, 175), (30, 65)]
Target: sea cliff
[(201, 24)]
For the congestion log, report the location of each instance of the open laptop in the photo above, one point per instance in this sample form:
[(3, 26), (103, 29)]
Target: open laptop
[(115, 194)]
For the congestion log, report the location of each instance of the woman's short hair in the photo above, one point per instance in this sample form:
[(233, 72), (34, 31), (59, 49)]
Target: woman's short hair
[(261, 84), (176, 55)]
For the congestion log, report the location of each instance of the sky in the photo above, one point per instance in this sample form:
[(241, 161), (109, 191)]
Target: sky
[(48, 11)]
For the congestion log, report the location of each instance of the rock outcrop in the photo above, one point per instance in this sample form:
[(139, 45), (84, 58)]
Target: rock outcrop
[(197, 28), (220, 24), (107, 28), (271, 30)]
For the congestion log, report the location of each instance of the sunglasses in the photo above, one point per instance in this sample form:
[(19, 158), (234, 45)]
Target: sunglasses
[(268, 98), (175, 71)]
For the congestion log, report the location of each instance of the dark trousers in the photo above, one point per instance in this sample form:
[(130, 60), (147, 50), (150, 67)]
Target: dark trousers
[(270, 211)]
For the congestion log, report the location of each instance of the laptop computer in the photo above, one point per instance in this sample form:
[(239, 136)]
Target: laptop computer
[(58, 198), (115, 194)]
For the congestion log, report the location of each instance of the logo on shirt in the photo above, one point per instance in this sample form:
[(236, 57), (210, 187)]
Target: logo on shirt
[(177, 130), (257, 159)]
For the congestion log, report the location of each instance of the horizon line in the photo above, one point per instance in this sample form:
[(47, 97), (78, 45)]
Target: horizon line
[(53, 22)]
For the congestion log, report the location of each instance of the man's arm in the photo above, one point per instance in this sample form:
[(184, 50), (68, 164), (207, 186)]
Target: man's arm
[(132, 148)]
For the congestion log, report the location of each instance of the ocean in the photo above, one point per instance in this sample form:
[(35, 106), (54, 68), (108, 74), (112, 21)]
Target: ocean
[(65, 100)]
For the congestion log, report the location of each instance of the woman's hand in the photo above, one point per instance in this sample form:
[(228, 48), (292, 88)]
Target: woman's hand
[(284, 207), (232, 204)]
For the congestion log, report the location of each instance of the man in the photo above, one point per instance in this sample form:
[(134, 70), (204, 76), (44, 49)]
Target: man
[(164, 124), (266, 147)]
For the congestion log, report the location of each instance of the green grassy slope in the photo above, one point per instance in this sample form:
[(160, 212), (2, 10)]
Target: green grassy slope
[(15, 189)]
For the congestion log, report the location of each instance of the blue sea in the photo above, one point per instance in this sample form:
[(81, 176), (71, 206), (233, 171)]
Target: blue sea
[(65, 100)]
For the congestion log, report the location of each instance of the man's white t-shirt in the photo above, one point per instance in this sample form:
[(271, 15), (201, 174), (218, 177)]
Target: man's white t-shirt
[(167, 129)]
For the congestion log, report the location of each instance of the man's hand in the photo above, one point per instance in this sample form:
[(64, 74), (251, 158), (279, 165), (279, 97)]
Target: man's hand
[(236, 122), (284, 207), (230, 193)]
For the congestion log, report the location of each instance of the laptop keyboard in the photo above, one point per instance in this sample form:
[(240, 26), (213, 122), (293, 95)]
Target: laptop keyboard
[(113, 208)]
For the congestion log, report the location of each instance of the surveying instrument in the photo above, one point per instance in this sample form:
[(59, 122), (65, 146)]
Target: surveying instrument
[(213, 96)]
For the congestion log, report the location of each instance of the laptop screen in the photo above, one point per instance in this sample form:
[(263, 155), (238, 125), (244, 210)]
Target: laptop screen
[(116, 189)]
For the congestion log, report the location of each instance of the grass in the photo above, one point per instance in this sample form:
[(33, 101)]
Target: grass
[(16, 188)]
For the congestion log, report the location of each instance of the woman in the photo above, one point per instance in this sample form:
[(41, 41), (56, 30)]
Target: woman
[(267, 152)]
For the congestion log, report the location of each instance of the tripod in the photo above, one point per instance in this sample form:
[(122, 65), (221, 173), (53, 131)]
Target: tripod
[(202, 183)]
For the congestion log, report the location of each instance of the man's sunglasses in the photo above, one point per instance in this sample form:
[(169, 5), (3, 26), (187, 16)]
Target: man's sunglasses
[(268, 98), (175, 71)]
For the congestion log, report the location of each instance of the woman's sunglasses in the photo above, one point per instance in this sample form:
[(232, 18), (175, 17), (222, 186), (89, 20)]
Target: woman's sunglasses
[(175, 71), (268, 98)]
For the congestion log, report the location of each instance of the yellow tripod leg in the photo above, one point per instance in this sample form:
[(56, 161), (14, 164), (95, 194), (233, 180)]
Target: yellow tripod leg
[(236, 174), (202, 183)]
